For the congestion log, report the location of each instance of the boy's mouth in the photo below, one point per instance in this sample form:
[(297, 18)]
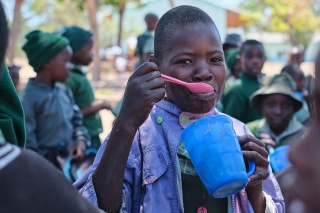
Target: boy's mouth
[(204, 96)]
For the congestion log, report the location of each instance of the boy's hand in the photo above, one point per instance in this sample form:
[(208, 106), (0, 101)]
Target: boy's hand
[(254, 150), (103, 104), (266, 139), (145, 87), (78, 150)]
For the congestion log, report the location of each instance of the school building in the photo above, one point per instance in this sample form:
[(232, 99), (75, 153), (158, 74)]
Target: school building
[(224, 17)]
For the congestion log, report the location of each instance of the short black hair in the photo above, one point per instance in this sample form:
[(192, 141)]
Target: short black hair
[(290, 69), (152, 16), (176, 19), (250, 42)]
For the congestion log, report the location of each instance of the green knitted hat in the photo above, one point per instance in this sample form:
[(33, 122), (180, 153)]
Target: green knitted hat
[(277, 84), (41, 47), (76, 36), (231, 57)]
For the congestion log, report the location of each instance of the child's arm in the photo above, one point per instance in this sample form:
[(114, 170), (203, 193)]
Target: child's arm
[(80, 133), (96, 106), (145, 88), (31, 125), (254, 150)]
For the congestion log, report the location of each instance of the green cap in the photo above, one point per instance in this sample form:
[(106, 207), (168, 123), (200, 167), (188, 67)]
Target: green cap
[(231, 58), (41, 47), (77, 36)]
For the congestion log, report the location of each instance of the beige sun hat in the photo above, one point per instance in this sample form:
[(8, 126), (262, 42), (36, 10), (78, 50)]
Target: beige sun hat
[(277, 84)]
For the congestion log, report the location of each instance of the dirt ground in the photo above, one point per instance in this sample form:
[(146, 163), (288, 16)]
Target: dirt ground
[(112, 84)]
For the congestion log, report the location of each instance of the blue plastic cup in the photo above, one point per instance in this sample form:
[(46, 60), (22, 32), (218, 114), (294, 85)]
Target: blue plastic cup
[(215, 153), (279, 158)]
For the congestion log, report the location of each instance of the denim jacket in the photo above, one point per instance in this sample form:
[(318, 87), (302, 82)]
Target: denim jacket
[(151, 177)]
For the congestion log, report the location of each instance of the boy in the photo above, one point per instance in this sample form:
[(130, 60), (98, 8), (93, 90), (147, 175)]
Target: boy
[(53, 120), (81, 42), (137, 169), (303, 115), (15, 76), (144, 46), (236, 100), (277, 101)]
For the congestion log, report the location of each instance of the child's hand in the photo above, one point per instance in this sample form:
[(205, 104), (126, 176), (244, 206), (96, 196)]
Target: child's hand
[(254, 150), (266, 139), (103, 104), (78, 150), (145, 87)]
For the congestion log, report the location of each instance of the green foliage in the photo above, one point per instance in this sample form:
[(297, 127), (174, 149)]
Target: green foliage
[(50, 14), (296, 18)]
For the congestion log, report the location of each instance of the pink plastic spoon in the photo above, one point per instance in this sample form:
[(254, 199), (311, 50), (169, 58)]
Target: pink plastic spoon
[(193, 87)]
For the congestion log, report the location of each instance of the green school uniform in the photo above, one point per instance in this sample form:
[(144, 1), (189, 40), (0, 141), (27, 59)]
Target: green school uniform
[(293, 132), (236, 100), (195, 194), (84, 96), (11, 112)]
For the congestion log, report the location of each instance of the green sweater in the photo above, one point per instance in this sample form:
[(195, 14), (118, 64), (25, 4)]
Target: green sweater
[(236, 100), (84, 96), (11, 112)]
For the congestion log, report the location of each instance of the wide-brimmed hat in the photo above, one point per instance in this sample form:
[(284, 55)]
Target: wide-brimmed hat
[(277, 84)]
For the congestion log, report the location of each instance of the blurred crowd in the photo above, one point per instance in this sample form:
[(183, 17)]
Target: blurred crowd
[(56, 117)]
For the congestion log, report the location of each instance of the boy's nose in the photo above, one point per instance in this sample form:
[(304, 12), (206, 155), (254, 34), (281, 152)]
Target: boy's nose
[(277, 110), (202, 73)]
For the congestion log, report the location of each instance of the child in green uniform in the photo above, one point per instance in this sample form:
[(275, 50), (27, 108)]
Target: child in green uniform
[(28, 183), (236, 100), (53, 120), (303, 115), (81, 42)]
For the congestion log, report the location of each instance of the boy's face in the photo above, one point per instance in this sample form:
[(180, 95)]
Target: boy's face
[(305, 158), (252, 59), (277, 109), (194, 55), (84, 55), (299, 78), (60, 65), (151, 23)]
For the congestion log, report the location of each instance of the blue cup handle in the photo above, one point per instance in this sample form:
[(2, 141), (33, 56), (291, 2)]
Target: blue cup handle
[(252, 168), (252, 165)]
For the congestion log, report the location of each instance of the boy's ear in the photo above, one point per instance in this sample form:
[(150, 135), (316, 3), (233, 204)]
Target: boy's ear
[(47, 65), (153, 59)]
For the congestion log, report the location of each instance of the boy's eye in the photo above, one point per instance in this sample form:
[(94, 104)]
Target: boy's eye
[(214, 60), (185, 61), (270, 104)]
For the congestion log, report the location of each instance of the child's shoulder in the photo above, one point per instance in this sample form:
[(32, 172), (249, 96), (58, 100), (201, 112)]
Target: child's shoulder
[(236, 88), (77, 77), (239, 127)]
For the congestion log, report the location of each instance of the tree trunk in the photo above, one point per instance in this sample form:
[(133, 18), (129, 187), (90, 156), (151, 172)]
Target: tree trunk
[(121, 12), (92, 11), (171, 4), (16, 26)]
